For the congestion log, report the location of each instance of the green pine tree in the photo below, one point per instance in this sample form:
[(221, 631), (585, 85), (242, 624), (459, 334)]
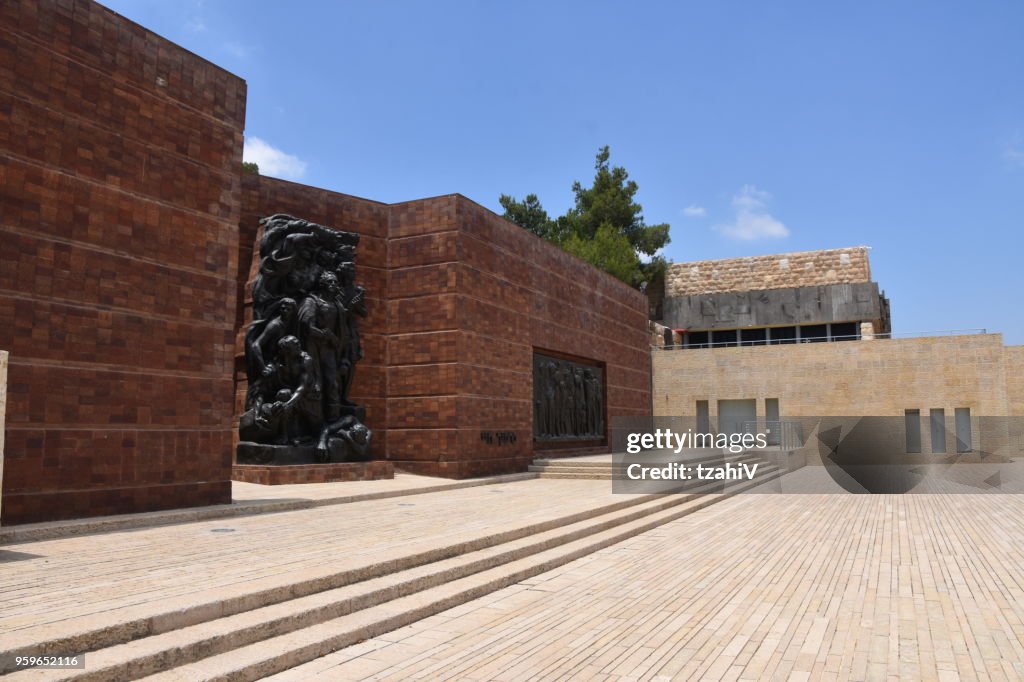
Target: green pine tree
[(605, 227)]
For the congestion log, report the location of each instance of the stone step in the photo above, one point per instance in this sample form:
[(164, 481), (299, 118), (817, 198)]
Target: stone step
[(578, 452), (281, 653), (610, 475), (574, 467), (609, 469), (713, 455), (221, 636), (127, 624), (603, 470)]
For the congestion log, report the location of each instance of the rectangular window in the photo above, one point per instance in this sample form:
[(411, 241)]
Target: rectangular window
[(772, 424), (753, 337), (703, 417), (782, 335), (912, 419), (724, 338), (962, 416), (844, 331), (696, 339), (814, 333), (938, 419)]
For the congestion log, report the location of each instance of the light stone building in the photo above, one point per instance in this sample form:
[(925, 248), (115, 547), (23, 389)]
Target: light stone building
[(813, 296), (721, 358)]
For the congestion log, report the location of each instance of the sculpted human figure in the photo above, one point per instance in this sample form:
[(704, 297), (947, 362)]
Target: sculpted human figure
[(285, 268), (579, 426), (262, 336), (542, 403), (564, 396), (323, 327), (568, 399), (354, 298), (346, 439), (293, 254), (303, 345), (550, 398), (286, 400), (593, 397)]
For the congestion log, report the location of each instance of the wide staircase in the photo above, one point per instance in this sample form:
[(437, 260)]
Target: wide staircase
[(272, 625)]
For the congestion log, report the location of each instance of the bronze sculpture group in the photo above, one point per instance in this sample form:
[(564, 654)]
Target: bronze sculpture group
[(568, 400), (302, 347)]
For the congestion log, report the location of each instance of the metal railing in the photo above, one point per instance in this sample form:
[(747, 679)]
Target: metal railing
[(739, 342)]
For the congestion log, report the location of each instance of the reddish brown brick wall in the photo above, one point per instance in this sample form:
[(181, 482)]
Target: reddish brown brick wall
[(518, 293), (459, 299), (263, 474), (119, 210), (128, 229), (425, 345)]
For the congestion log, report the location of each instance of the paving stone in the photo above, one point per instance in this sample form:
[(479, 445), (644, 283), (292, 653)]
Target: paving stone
[(811, 586)]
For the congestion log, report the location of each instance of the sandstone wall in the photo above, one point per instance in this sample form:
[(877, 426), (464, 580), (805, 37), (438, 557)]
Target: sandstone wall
[(1014, 360), (1015, 379), (801, 269), (877, 378), (857, 378)]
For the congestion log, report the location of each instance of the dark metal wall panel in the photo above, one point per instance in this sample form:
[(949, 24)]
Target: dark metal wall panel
[(802, 305)]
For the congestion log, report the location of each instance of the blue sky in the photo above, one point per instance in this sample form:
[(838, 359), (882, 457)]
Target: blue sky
[(751, 127)]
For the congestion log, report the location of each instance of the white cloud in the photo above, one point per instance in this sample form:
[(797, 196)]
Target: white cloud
[(752, 220), (695, 211), (196, 23), (1014, 151), (237, 50), (273, 161), (644, 258)]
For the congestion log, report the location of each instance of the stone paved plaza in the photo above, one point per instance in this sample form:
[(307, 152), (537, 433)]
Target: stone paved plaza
[(756, 587), (765, 586), (56, 585)]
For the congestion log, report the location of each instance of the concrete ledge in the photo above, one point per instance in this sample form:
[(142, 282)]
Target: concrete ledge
[(271, 474)]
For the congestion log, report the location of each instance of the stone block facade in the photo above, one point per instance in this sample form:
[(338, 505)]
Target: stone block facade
[(313, 473), (120, 158), (777, 271), (878, 378), (459, 300), (1014, 363), (881, 377), (128, 230), (3, 413)]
